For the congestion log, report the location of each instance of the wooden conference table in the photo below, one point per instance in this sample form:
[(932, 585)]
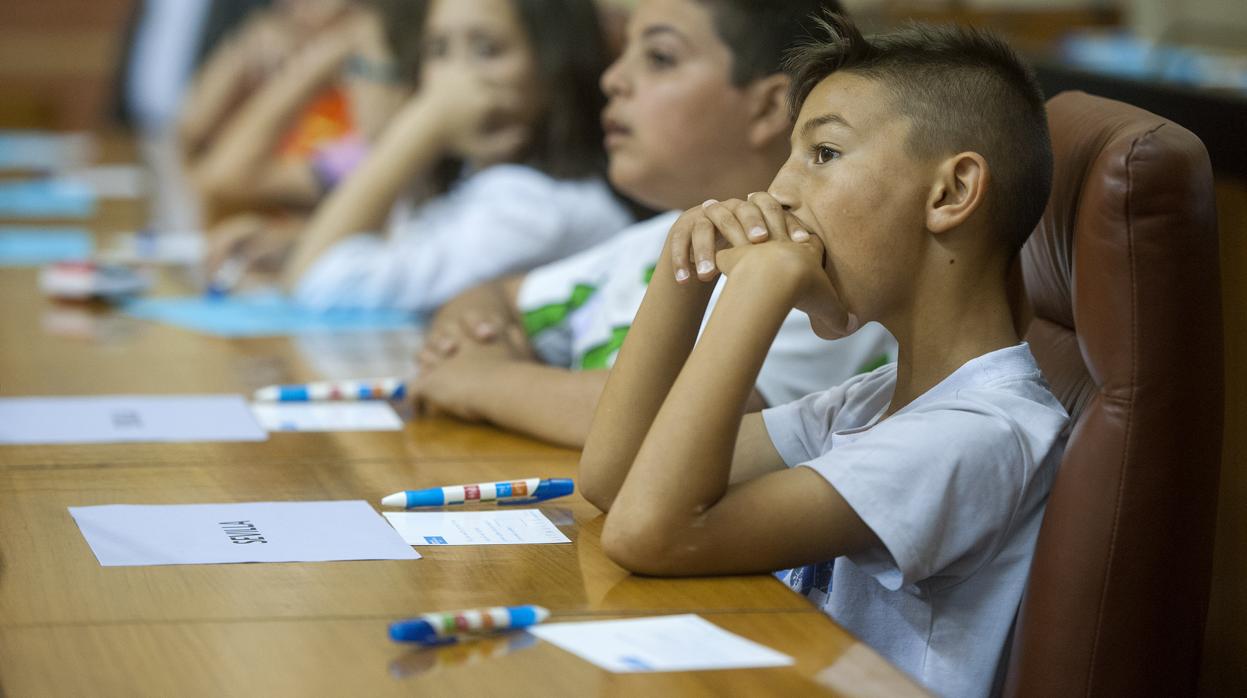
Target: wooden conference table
[(71, 627)]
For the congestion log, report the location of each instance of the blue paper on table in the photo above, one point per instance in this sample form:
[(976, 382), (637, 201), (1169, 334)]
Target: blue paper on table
[(261, 315), (33, 247), (46, 198)]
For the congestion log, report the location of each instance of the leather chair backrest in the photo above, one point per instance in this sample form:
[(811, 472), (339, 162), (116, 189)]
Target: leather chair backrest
[(1122, 280)]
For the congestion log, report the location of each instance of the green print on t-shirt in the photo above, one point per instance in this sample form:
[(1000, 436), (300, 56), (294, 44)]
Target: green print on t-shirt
[(597, 357), (547, 316), (880, 360)]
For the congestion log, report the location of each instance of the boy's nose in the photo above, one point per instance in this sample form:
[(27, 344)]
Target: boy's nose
[(781, 190), (612, 82)]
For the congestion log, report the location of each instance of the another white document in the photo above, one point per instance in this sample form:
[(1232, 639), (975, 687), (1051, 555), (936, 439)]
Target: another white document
[(177, 248), (667, 643), (113, 181), (187, 534), (327, 416), (501, 527), (127, 418)]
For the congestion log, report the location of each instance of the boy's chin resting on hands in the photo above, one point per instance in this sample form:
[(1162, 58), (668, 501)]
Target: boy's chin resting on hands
[(797, 270)]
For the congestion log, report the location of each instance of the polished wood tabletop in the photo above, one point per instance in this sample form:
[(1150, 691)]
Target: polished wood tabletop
[(71, 627)]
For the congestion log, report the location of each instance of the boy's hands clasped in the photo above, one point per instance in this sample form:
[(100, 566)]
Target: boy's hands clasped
[(704, 231), (716, 236), (450, 364)]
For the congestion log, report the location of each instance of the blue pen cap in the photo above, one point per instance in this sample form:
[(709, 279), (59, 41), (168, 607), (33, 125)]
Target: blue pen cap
[(425, 498), (554, 487), (525, 616), (414, 631), (293, 393)]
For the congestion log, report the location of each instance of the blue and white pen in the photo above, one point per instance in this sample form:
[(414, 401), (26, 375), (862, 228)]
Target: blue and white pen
[(442, 628), (360, 389), (226, 278), (515, 492)]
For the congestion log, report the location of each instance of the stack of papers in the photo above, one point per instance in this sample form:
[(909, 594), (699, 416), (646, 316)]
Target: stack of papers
[(184, 534)]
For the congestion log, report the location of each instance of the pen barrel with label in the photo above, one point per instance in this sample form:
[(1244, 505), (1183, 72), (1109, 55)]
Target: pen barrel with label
[(528, 489), (489, 491), (374, 389), (436, 628)]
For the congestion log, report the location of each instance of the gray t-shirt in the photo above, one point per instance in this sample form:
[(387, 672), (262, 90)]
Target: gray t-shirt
[(954, 486)]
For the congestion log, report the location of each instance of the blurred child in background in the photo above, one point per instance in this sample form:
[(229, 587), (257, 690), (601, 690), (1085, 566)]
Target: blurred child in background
[(494, 166), (300, 86)]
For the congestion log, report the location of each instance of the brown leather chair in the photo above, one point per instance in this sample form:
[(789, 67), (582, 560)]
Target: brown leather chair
[(1124, 318)]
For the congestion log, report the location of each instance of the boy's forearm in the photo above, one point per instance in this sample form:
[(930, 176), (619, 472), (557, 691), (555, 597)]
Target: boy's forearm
[(661, 336), (408, 148), (559, 412), (288, 183), (214, 91), (372, 105), (683, 466)]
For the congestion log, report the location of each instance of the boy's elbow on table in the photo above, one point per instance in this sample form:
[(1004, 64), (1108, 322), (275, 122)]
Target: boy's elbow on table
[(596, 494), (647, 545), (595, 487)]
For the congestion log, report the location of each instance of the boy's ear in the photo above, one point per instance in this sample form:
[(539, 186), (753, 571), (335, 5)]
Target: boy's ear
[(960, 188), (768, 109)]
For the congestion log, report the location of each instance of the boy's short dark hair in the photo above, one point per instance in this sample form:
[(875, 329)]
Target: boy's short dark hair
[(963, 89), (760, 32)]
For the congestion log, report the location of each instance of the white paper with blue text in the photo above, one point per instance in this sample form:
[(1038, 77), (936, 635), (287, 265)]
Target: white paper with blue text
[(666, 643), (502, 526)]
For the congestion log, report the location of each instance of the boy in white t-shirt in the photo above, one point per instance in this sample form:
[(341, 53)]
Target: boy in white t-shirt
[(696, 110), (920, 162)]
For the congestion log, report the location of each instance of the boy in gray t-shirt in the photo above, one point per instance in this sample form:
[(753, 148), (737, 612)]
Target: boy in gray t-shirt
[(953, 485), (920, 162)]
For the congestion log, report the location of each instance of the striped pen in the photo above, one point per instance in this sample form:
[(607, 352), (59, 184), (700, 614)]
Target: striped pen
[(359, 389), (441, 628), (524, 491)]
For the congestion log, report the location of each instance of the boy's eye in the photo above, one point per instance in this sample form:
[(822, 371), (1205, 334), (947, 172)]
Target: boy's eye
[(659, 60), (435, 48), (486, 48), (824, 154)]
